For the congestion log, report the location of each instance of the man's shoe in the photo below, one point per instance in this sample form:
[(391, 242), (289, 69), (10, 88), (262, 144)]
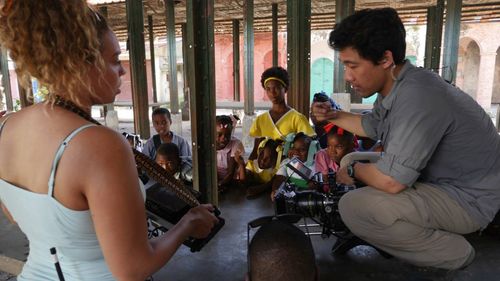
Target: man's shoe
[(469, 260)]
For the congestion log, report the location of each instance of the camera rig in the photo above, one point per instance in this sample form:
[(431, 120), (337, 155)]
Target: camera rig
[(320, 205)]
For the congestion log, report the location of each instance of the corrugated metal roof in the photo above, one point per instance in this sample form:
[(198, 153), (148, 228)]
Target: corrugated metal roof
[(322, 13)]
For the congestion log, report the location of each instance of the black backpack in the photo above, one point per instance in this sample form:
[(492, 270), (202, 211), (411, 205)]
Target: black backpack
[(156, 141)]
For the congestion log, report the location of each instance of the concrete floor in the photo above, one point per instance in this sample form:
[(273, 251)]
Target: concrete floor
[(224, 258)]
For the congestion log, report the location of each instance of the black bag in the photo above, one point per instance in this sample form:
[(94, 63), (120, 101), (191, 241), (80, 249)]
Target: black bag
[(156, 141)]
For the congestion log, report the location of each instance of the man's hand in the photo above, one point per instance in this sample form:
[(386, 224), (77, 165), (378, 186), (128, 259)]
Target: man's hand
[(343, 177), (323, 111)]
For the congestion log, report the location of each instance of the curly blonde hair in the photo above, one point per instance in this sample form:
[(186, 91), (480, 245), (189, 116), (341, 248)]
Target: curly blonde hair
[(55, 41)]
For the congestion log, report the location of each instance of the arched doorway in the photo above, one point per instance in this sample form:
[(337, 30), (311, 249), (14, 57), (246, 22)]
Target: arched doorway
[(470, 71), (322, 76), (495, 96)]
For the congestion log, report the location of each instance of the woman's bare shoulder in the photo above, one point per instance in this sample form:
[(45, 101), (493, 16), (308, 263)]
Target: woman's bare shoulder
[(102, 142)]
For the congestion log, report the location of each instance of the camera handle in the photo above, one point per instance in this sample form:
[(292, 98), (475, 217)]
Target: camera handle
[(196, 244)]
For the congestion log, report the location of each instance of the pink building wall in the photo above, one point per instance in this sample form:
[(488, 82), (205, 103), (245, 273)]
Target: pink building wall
[(223, 68), (262, 60)]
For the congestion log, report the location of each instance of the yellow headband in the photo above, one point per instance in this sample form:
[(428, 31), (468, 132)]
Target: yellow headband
[(274, 78)]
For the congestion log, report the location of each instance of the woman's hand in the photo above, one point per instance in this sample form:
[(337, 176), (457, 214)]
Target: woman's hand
[(343, 177), (199, 221), (323, 111)]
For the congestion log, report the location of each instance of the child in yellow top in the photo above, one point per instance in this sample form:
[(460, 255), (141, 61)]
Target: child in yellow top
[(261, 171), (281, 119)]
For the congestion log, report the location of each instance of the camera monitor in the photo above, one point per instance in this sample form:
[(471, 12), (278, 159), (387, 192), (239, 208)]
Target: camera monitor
[(300, 168)]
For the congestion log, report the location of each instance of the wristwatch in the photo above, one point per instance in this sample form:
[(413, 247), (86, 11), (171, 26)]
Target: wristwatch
[(350, 170)]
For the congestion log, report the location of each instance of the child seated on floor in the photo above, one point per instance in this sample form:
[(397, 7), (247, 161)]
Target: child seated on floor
[(230, 163), (339, 143), (260, 171), (168, 156), (304, 148), (162, 120)]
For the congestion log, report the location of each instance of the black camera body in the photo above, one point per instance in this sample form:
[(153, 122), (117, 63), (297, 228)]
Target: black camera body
[(320, 204)]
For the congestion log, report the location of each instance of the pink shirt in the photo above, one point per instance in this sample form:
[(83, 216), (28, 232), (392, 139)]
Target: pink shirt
[(322, 162), (224, 154)]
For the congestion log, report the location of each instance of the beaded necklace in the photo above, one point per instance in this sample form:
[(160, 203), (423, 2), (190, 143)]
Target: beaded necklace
[(151, 168)]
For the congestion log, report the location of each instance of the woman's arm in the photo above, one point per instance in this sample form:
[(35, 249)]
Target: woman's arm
[(109, 182)]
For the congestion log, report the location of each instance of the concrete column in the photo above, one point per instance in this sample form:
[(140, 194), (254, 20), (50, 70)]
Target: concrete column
[(451, 37), (275, 34), (201, 56), (172, 57), (485, 80), (433, 36), (138, 67), (4, 71), (152, 56), (185, 71), (236, 60), (299, 54), (248, 71)]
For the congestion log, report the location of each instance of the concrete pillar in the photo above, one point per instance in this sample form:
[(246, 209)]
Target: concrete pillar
[(138, 77), (435, 15), (248, 70), (451, 37), (497, 118), (485, 80), (299, 54), (172, 57), (201, 56), (5, 80), (275, 34)]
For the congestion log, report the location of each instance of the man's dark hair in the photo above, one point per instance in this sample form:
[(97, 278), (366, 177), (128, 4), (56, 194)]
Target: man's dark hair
[(371, 32), (277, 72), (280, 251), (168, 149), (161, 111)]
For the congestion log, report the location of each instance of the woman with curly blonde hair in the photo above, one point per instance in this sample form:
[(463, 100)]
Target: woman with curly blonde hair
[(69, 195)]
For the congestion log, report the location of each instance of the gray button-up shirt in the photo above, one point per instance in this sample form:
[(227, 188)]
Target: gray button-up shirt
[(435, 133), (184, 148)]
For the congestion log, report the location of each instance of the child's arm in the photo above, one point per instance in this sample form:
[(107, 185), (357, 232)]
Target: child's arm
[(231, 169), (240, 165)]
